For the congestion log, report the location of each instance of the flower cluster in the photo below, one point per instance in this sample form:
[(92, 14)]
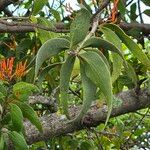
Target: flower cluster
[(7, 71)]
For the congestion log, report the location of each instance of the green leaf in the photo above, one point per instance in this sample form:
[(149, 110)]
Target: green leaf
[(3, 90), (2, 142), (122, 8), (111, 37), (16, 117), (23, 47), (18, 141), (131, 73), (148, 84), (43, 34), (84, 4), (133, 15), (76, 68), (117, 60), (23, 90), (147, 12), (30, 114), (117, 65), (49, 49), (44, 72), (132, 46), (98, 42), (89, 93), (85, 145), (56, 14), (2, 98), (6, 119), (99, 53), (38, 5), (65, 74), (146, 2), (79, 27), (99, 74)]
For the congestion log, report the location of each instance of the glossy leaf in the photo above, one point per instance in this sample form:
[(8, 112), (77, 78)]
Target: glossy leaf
[(89, 93), (65, 74), (98, 72), (38, 5), (30, 114), (79, 27), (16, 117), (117, 60), (132, 46), (97, 42), (49, 49), (18, 141)]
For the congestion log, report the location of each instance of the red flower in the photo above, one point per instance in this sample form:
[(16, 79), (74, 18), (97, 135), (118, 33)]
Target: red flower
[(20, 69), (7, 66)]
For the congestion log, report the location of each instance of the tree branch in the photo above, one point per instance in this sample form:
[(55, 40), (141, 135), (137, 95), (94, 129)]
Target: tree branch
[(55, 125), (20, 27), (144, 28), (23, 27)]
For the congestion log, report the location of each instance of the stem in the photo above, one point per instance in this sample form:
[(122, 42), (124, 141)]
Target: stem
[(140, 14), (93, 30)]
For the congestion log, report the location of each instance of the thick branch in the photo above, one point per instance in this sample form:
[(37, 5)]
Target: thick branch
[(144, 28), (13, 27), (56, 125), (20, 27)]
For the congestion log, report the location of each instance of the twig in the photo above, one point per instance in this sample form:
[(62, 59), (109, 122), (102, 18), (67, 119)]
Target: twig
[(142, 114), (129, 3), (94, 27), (105, 133), (104, 4), (14, 18), (140, 14)]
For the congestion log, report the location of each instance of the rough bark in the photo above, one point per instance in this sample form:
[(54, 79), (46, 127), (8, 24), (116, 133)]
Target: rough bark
[(55, 125), (13, 27), (144, 28), (21, 27)]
